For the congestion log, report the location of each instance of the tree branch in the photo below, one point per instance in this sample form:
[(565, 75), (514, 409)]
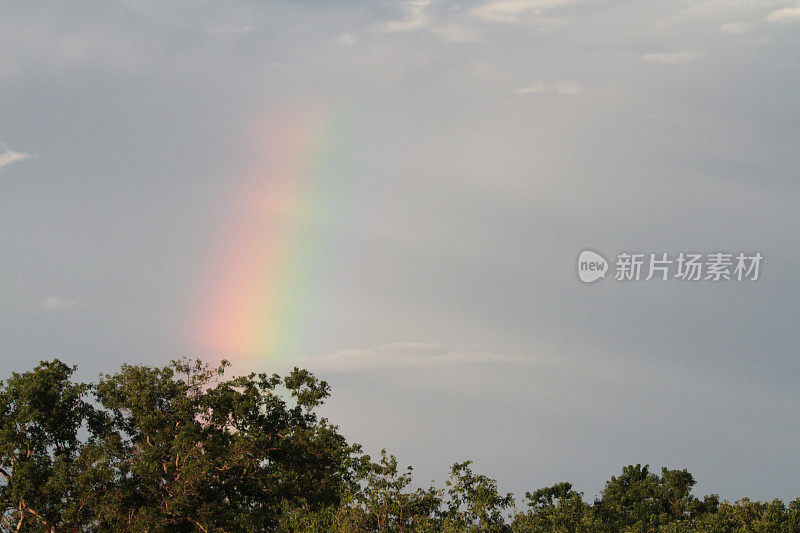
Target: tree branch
[(198, 525)]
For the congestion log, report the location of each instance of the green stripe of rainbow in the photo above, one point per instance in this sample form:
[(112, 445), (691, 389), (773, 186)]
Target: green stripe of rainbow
[(256, 301)]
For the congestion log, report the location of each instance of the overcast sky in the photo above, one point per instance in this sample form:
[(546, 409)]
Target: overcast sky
[(418, 250)]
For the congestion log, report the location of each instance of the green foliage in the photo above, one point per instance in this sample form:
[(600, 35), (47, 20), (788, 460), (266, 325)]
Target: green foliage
[(176, 448), (41, 413), (181, 448), (386, 502), (475, 503), (558, 509)]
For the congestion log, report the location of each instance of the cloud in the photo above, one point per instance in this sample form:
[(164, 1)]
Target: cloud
[(787, 14), (56, 302), (405, 355), (346, 39), (454, 33), (670, 58), (416, 18), (233, 29), (561, 87), (513, 10), (737, 28), (8, 156)]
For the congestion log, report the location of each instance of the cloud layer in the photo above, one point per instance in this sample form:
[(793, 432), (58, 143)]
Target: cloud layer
[(405, 355)]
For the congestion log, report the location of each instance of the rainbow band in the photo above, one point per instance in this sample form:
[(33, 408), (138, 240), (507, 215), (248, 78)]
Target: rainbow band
[(256, 300)]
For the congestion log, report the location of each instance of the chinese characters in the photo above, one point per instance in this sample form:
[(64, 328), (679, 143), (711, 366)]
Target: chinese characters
[(685, 266)]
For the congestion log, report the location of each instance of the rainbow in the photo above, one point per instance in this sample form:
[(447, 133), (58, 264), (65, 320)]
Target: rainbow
[(267, 261)]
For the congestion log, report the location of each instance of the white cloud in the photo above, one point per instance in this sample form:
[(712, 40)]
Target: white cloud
[(56, 302), (233, 29), (560, 87), (513, 10), (346, 39), (454, 33), (737, 28), (8, 156), (670, 58), (787, 14), (417, 18), (421, 346), (405, 355)]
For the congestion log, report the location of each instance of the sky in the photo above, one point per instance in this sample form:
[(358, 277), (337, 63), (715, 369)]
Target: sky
[(394, 194)]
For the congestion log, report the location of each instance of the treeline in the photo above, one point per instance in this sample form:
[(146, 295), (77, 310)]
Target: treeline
[(181, 448)]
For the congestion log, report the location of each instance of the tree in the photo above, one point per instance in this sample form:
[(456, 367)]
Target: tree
[(475, 503), (558, 509), (387, 503), (189, 449), (181, 448), (174, 448), (41, 413), (642, 501)]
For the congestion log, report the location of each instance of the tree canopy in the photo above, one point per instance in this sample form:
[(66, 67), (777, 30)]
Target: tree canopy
[(183, 448)]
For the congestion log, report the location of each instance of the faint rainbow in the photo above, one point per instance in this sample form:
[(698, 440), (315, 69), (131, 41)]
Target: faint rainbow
[(258, 296)]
